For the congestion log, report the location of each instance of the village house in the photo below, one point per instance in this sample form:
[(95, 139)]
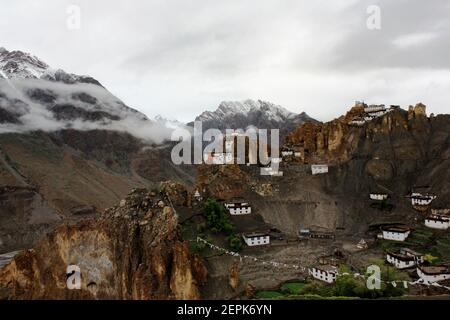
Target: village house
[(394, 233), (238, 207), (218, 158), (287, 152), (319, 168), (304, 234), (256, 239), (327, 274), (404, 258), (431, 274), (419, 199), (378, 196), (438, 221)]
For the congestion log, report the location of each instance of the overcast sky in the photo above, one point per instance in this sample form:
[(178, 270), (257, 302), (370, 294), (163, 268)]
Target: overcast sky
[(178, 58)]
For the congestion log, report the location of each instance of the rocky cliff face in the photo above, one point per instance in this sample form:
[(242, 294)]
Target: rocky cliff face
[(401, 134), (133, 251), (392, 153)]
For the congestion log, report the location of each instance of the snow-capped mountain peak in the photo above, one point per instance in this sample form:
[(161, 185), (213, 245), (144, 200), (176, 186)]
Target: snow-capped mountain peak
[(18, 64), (257, 113)]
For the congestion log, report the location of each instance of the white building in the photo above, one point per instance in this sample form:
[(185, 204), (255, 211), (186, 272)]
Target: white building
[(319, 168), (218, 158), (256, 239), (418, 199), (395, 233), (377, 114), (405, 258), (287, 153), (437, 221), (431, 274), (238, 208), (358, 122), (374, 108), (268, 171), (327, 274), (378, 196)]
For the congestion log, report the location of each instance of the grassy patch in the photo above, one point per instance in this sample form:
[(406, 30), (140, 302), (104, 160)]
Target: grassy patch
[(269, 295), (292, 287)]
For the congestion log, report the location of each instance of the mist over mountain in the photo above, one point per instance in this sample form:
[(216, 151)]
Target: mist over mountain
[(34, 96)]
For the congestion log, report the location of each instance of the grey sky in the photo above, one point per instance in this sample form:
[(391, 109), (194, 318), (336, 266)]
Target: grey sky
[(180, 57)]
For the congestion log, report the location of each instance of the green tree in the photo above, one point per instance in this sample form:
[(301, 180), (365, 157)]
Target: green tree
[(218, 220)]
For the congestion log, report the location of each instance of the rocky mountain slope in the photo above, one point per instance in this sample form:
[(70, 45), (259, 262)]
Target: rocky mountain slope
[(133, 251), (260, 114), (69, 149)]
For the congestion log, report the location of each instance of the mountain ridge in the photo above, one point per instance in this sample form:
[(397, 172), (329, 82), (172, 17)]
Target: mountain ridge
[(247, 113)]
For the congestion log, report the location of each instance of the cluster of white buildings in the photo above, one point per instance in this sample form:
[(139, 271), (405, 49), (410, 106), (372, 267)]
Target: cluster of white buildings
[(319, 169), (370, 112), (394, 233), (374, 111), (404, 258)]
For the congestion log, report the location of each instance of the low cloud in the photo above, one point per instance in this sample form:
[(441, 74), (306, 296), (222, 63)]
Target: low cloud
[(36, 115)]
